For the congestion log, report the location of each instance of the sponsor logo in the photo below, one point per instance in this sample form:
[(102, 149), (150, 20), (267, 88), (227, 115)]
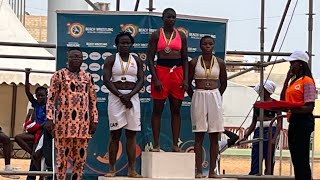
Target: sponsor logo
[(101, 99), (95, 56), (99, 30), (148, 89), (143, 56), (104, 89), (102, 66), (149, 78), (96, 44), (95, 77), (84, 66), (97, 88), (297, 87), (94, 66), (181, 29), (193, 83), (134, 54), (113, 124), (144, 67), (143, 89), (84, 55), (195, 35), (131, 28), (105, 55), (76, 30), (102, 77)]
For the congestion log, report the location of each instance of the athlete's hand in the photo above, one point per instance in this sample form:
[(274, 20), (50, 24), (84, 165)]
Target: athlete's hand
[(92, 128), (128, 105), (27, 71), (157, 85), (184, 85), (49, 126), (125, 97)]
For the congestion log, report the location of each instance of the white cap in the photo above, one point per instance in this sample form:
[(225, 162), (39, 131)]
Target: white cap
[(298, 55), (269, 85)]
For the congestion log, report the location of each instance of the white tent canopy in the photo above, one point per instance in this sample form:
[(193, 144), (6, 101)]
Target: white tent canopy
[(11, 30)]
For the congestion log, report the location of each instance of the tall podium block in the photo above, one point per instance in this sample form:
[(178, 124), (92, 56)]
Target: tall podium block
[(168, 165)]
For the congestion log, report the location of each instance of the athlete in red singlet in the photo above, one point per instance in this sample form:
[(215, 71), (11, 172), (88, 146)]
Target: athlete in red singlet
[(169, 75)]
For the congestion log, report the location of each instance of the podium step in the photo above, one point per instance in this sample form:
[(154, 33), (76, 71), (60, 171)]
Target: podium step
[(168, 165)]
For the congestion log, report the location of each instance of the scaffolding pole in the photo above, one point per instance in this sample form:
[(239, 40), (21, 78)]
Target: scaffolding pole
[(136, 7), (118, 5), (261, 86), (279, 28), (94, 7), (151, 8), (310, 28)]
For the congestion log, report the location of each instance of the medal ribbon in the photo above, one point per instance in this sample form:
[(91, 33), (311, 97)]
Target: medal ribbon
[(124, 70), (207, 71), (165, 38)]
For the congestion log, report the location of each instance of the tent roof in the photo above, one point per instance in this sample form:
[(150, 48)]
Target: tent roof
[(12, 30)]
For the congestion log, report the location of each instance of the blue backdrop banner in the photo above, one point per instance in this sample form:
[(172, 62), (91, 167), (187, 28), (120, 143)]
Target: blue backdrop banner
[(94, 34)]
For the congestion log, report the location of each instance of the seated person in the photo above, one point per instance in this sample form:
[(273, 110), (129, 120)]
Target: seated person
[(39, 114), (6, 146)]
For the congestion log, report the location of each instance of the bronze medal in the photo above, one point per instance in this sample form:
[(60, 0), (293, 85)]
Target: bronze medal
[(167, 50)]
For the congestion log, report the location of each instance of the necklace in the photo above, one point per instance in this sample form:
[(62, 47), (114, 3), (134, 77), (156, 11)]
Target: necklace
[(167, 49), (124, 69)]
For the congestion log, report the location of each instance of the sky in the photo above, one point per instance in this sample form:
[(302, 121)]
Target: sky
[(243, 32)]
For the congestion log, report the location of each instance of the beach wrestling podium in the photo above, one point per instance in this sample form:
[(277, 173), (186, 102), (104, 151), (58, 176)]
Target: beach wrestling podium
[(165, 165)]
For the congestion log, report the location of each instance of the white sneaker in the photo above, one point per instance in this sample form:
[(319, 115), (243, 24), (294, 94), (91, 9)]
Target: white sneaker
[(11, 176)]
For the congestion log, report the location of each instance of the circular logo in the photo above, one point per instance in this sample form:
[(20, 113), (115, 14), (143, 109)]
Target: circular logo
[(185, 32), (102, 66), (95, 77), (104, 89), (102, 78), (97, 88), (193, 83), (134, 54), (143, 89), (148, 89), (76, 30), (84, 55), (131, 28), (95, 56), (149, 78), (144, 67), (143, 56), (105, 55), (94, 66), (84, 66)]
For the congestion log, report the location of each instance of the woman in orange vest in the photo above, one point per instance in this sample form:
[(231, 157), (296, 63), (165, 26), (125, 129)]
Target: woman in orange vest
[(299, 87)]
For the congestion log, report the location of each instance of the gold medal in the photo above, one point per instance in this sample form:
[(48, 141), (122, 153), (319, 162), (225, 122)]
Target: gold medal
[(167, 49), (124, 69)]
